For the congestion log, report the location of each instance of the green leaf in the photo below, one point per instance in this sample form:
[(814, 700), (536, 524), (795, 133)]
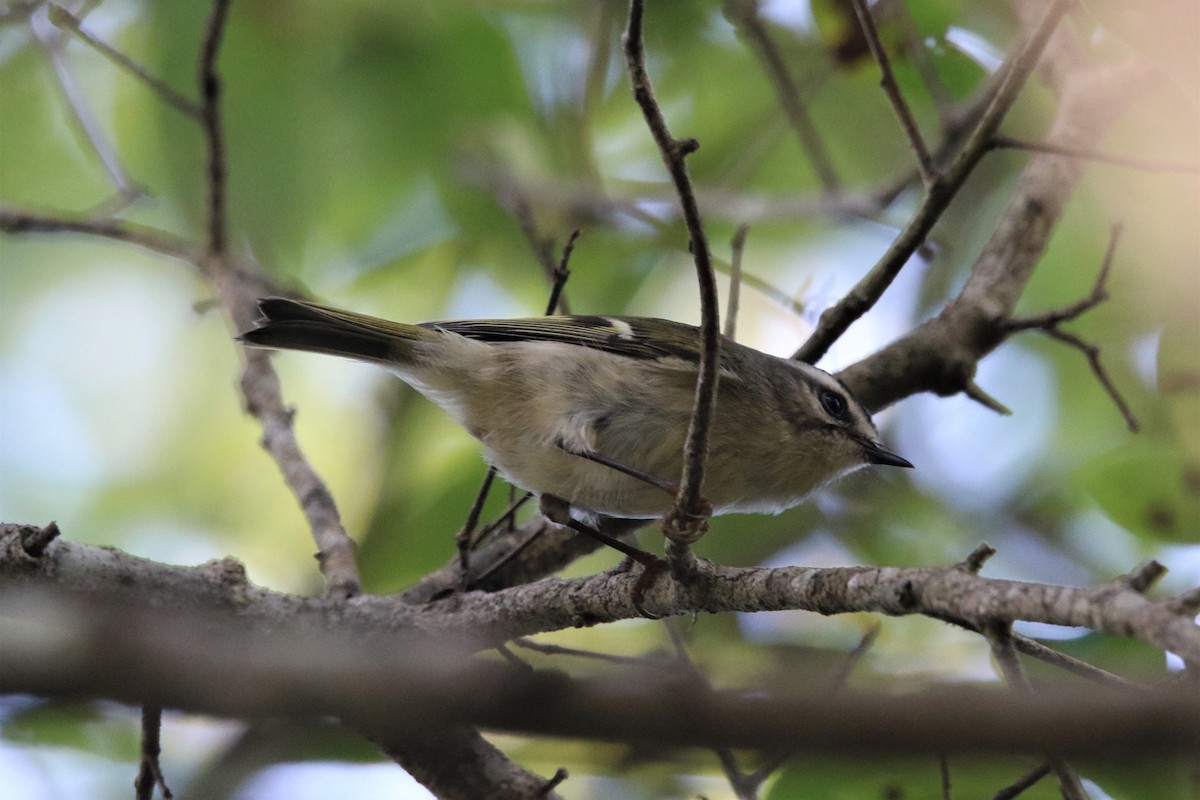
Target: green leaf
[(1150, 488)]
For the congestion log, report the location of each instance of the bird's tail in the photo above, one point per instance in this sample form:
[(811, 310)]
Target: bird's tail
[(298, 325)]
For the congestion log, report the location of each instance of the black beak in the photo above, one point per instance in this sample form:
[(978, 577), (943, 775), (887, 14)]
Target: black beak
[(877, 455)]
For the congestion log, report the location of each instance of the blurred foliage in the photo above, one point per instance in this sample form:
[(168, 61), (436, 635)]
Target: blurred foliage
[(380, 154)]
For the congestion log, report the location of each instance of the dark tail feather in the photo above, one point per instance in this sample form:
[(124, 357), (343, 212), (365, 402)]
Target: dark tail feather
[(293, 325)]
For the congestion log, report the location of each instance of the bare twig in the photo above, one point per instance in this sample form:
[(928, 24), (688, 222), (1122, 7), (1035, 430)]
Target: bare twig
[(149, 771), (167, 244), (559, 650), (976, 392), (836, 319), (944, 765), (999, 635), (1098, 295), (745, 15), (1145, 164), (210, 93), (541, 246), (558, 274), (688, 520), (1092, 353), (1026, 781), (507, 558), (887, 80), (737, 246), (51, 41), (1049, 324), (842, 676), (66, 20), (35, 540), (560, 775), (558, 277), (918, 54), (1145, 576), (978, 557), (463, 539), (1035, 649)]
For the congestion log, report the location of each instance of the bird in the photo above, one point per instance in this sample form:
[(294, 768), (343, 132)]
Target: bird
[(590, 413)]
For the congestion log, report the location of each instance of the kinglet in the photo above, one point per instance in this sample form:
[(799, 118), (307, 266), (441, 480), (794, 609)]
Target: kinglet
[(594, 410)]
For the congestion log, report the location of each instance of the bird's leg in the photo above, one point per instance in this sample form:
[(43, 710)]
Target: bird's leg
[(558, 511), (670, 487)]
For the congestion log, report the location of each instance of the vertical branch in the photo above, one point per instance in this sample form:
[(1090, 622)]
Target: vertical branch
[(689, 517), (149, 771), (892, 90), (1000, 637), (210, 122), (259, 381), (744, 14), (738, 246)]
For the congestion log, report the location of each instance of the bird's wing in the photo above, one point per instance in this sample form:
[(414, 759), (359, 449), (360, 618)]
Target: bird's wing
[(635, 337)]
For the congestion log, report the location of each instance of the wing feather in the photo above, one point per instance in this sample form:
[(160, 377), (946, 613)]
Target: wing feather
[(635, 337)]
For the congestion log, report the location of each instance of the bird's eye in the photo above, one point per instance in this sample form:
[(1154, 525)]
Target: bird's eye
[(834, 404)]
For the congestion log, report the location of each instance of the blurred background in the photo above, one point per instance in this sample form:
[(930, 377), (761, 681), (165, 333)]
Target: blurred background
[(396, 158)]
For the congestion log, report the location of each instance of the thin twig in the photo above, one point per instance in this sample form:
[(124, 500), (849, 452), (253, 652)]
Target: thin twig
[(559, 276), (688, 520), (842, 676), (1144, 164), (944, 765), (259, 382), (51, 41), (974, 562), (976, 392), (1145, 576), (737, 246), (1004, 650), (210, 93), (1092, 353), (34, 541), (918, 55), (836, 319), (149, 770), (890, 88), (66, 20), (499, 564), (559, 650), (1098, 295), (560, 775), (1048, 655), (158, 241), (745, 14), (1026, 781), (463, 538), (541, 246)]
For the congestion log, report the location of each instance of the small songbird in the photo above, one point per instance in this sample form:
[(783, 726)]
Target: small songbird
[(594, 410)]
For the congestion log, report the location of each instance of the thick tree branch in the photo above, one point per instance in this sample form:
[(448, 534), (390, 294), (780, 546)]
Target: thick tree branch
[(836, 319), (395, 686), (551, 604), (941, 355)]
